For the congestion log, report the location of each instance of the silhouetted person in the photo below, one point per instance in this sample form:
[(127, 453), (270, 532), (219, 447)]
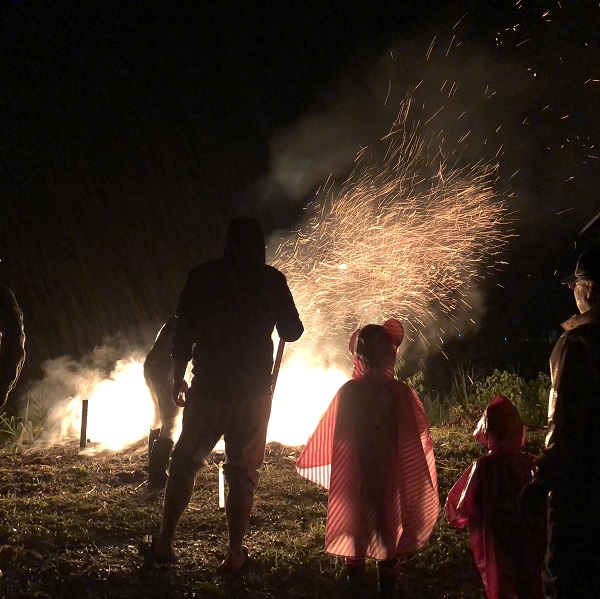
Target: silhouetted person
[(569, 467), (158, 373), (225, 318), (373, 451), (12, 348), (508, 551)]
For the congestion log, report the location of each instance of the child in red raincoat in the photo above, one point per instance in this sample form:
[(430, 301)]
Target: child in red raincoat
[(507, 551), (373, 451)]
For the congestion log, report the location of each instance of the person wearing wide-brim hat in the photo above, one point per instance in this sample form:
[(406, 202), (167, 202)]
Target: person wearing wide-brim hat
[(568, 471)]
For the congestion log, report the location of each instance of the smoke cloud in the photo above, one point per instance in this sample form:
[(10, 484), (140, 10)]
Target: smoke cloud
[(111, 378), (460, 96), (459, 102)]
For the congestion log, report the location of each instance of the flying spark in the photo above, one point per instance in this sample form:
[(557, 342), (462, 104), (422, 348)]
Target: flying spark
[(406, 236)]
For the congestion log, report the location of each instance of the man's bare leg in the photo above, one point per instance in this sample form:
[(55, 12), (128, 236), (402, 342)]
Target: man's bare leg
[(180, 486), (245, 449), (238, 510)]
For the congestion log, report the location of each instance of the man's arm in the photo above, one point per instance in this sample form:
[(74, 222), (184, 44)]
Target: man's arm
[(566, 411), (288, 323), (550, 468), (180, 385), (182, 346)]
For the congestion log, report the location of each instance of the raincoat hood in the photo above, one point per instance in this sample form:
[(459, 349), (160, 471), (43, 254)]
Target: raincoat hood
[(245, 241), (500, 428), (374, 348)]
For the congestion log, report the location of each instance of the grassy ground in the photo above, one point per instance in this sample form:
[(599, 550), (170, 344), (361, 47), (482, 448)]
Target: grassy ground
[(70, 526)]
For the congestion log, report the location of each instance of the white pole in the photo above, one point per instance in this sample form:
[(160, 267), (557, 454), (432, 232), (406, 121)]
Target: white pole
[(221, 487)]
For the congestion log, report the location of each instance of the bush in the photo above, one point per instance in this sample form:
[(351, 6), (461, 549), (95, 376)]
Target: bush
[(471, 391), (529, 397), (19, 431), (435, 406)]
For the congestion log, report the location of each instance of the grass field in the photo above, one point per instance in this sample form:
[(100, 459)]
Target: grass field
[(71, 524)]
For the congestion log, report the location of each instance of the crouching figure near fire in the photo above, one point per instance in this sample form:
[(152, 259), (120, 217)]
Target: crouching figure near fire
[(158, 372), (373, 451), (507, 550)]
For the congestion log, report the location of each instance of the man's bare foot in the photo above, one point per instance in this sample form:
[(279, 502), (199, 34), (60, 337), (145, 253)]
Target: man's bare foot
[(159, 552), (235, 560)]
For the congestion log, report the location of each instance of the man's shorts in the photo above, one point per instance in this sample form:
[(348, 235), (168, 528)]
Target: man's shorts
[(242, 421)]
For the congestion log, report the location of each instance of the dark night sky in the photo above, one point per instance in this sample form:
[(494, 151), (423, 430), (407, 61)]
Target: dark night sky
[(130, 130)]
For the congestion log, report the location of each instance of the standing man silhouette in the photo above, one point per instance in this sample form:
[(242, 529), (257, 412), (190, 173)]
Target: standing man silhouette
[(226, 315)]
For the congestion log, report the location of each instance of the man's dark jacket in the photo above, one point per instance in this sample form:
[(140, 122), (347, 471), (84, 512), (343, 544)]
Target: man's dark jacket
[(226, 314), (570, 464)]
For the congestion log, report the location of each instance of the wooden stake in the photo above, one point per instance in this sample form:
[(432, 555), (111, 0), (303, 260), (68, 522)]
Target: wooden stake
[(84, 417), (277, 365)]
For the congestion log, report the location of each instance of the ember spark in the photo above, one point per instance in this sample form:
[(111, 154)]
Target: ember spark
[(405, 236)]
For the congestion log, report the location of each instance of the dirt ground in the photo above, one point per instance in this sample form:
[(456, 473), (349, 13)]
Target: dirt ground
[(72, 523)]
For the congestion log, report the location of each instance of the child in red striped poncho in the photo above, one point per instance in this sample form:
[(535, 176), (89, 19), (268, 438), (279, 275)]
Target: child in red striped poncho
[(373, 451), (507, 550)]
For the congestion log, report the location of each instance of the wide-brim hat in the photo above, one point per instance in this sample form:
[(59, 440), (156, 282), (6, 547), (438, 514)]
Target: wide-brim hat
[(587, 268)]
